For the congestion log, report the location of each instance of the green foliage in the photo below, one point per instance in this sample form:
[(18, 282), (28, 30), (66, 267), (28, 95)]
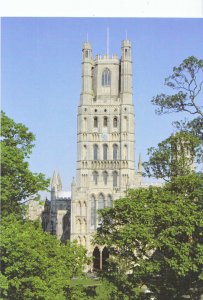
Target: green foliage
[(18, 183), (155, 239), (175, 156), (187, 80), (34, 264)]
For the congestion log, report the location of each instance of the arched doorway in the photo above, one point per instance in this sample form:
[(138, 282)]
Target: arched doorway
[(96, 259), (105, 256)]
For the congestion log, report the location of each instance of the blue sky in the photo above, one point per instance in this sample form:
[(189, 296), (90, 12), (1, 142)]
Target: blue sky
[(41, 77)]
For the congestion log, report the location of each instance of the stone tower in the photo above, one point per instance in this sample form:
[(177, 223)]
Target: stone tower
[(105, 140)]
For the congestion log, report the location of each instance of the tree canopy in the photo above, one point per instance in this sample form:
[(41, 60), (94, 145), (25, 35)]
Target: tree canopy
[(18, 183), (155, 239), (186, 80), (34, 264), (177, 155)]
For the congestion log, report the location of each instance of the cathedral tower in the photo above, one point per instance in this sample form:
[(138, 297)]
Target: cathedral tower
[(105, 139)]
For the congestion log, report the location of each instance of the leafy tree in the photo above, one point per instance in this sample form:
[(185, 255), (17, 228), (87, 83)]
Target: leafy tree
[(34, 264), (187, 80), (176, 156), (155, 239), (18, 183)]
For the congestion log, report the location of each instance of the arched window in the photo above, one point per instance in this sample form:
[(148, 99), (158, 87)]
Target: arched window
[(115, 152), (101, 201), (95, 122), (115, 122), (105, 123), (95, 150), (85, 124), (95, 177), (93, 211), (105, 257), (125, 156), (86, 53), (84, 152), (105, 150), (109, 201), (79, 225), (105, 177), (115, 179), (96, 259), (106, 77)]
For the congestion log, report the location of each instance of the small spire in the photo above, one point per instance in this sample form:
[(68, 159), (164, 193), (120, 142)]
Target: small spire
[(87, 37), (54, 180), (126, 35)]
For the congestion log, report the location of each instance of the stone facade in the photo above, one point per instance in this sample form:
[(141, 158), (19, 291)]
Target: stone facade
[(105, 140), (54, 214), (105, 151)]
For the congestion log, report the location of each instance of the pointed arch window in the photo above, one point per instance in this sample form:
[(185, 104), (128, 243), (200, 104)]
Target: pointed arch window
[(101, 201), (93, 211), (115, 179), (95, 152), (95, 122), (95, 177), (105, 151), (115, 152), (105, 177), (105, 122), (125, 152), (115, 122), (109, 201), (106, 77)]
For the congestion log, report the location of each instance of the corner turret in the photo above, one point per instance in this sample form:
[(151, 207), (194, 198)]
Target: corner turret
[(86, 93)]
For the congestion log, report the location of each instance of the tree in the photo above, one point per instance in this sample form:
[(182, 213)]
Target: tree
[(34, 264), (187, 80), (155, 239), (18, 183), (175, 156)]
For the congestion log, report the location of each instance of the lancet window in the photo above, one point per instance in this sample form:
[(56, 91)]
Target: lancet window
[(106, 77), (105, 151), (95, 177), (105, 177), (95, 122), (95, 152), (115, 152), (105, 122), (115, 122), (101, 201), (109, 201), (115, 179), (93, 211)]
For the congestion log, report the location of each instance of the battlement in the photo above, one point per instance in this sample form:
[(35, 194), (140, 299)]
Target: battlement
[(107, 58)]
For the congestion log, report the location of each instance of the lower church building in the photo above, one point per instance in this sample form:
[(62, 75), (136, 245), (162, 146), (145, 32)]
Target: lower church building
[(105, 150)]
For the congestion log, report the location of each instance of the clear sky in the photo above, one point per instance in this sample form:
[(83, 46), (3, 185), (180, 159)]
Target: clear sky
[(41, 77)]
